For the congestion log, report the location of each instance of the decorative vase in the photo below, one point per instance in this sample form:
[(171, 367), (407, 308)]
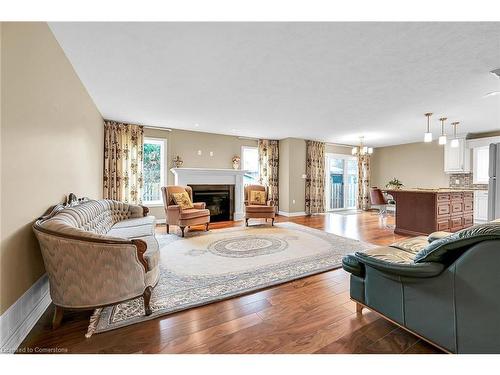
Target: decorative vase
[(236, 162), (177, 162)]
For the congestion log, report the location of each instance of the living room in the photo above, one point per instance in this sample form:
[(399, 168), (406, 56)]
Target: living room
[(237, 187)]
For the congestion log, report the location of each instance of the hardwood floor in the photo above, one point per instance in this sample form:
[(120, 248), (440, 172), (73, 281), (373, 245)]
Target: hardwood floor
[(309, 315)]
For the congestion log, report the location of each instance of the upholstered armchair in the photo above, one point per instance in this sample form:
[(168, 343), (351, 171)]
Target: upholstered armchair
[(265, 209), (442, 287), (175, 215)]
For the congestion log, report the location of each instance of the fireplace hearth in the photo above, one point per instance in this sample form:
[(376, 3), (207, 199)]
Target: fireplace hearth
[(218, 198)]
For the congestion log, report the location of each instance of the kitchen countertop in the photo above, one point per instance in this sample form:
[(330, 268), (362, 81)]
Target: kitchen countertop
[(430, 190)]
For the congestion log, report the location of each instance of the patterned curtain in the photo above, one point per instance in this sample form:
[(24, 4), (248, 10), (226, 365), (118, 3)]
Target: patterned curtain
[(315, 180), (123, 153), (269, 167), (363, 182)]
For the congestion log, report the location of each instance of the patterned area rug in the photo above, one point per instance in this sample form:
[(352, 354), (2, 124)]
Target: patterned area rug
[(207, 267)]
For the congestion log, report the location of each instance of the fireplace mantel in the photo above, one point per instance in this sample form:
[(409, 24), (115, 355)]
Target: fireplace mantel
[(214, 176)]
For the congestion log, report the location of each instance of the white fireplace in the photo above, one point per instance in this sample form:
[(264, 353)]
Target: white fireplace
[(210, 176)]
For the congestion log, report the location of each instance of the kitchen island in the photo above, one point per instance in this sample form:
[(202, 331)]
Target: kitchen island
[(423, 211)]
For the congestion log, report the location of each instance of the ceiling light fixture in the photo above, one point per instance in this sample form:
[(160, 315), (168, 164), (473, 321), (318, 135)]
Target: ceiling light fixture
[(361, 149), (493, 93), (442, 137), (454, 141), (496, 72), (428, 134)]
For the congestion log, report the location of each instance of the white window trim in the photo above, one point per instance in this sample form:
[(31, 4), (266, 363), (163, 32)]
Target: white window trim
[(163, 145), (242, 160)]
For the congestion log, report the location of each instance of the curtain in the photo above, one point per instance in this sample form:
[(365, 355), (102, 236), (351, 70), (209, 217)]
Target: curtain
[(269, 168), (315, 180), (363, 182), (123, 154)]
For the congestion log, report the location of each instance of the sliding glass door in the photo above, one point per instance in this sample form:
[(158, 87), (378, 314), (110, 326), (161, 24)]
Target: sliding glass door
[(341, 182)]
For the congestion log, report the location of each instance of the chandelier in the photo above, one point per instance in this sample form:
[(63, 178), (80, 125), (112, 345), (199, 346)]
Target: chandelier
[(362, 149)]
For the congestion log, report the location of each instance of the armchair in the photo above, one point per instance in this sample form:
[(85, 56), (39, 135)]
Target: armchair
[(259, 211), (443, 288), (175, 215)]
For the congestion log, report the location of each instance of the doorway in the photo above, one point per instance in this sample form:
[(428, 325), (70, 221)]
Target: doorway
[(341, 182)]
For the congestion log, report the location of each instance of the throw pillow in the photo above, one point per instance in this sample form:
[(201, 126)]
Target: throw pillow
[(257, 197), (183, 200)]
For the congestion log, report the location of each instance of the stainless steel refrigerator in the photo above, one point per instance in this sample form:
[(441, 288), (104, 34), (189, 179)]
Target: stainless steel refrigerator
[(494, 182)]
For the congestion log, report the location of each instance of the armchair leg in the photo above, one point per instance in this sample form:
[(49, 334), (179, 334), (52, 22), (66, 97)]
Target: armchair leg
[(246, 221), (272, 222), (57, 318), (168, 228), (206, 227), (147, 299), (182, 230), (359, 308)]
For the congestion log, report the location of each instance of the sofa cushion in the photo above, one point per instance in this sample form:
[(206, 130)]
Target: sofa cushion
[(133, 228), (193, 213), (437, 236), (387, 254), (397, 258), (260, 209), (411, 245), (447, 249), (398, 262)]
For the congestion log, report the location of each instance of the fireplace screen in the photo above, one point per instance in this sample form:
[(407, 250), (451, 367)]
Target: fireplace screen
[(218, 198)]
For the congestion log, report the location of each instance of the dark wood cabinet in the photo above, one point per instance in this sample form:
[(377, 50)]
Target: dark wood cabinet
[(423, 211)]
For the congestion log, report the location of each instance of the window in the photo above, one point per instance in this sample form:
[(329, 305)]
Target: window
[(250, 163), (153, 170), (481, 162)]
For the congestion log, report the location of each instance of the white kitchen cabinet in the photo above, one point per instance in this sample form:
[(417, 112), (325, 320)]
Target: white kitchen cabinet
[(457, 159), (480, 206)]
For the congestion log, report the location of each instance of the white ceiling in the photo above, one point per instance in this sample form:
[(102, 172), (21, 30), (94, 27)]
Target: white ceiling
[(326, 81)]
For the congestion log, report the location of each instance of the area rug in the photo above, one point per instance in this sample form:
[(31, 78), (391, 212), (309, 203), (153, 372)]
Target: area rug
[(205, 267)]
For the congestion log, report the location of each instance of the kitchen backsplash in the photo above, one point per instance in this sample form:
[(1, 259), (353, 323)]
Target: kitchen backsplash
[(464, 181)]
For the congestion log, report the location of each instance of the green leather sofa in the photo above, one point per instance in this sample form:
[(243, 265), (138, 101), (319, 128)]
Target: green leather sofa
[(444, 288)]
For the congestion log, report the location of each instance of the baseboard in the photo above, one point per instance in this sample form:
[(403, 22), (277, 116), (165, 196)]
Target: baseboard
[(21, 317), (291, 214)]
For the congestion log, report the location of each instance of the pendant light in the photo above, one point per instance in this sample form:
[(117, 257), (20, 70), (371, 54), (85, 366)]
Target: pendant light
[(428, 134), (442, 137), (454, 141)]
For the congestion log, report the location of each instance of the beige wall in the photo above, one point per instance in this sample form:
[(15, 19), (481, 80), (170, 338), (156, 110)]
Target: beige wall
[(335, 149), (284, 175), (292, 167), (415, 164), (187, 143), (51, 144)]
